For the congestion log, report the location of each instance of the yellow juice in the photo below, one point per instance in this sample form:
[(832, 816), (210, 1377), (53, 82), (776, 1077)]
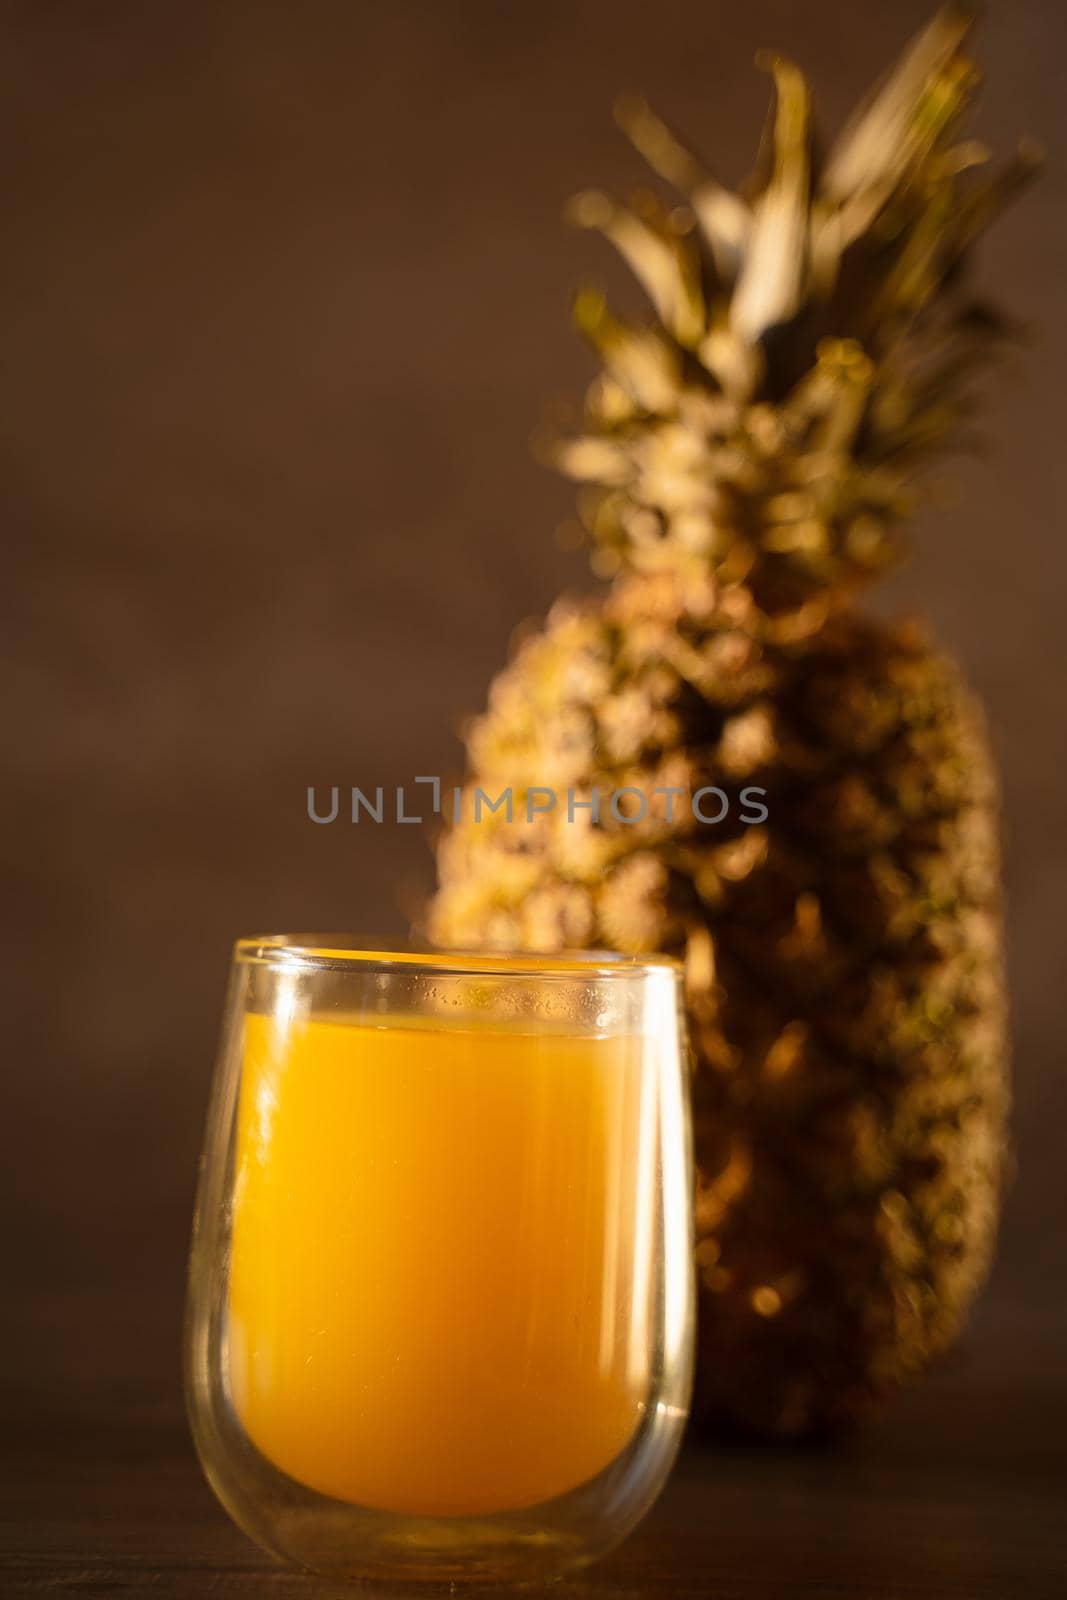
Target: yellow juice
[(440, 1259)]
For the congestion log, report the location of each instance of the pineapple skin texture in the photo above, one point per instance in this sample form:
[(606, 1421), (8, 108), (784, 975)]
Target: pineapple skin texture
[(748, 455), (843, 960)]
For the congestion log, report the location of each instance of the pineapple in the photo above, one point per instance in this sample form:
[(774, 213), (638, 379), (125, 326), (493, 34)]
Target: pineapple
[(748, 455)]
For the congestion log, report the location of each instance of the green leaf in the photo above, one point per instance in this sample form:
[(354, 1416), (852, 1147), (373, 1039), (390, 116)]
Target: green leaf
[(663, 264), (724, 218), (871, 142), (770, 286)]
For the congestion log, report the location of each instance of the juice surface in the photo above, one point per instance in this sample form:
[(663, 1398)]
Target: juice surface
[(439, 1259)]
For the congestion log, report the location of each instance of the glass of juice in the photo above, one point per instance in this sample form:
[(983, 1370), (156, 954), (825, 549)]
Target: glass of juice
[(440, 1301)]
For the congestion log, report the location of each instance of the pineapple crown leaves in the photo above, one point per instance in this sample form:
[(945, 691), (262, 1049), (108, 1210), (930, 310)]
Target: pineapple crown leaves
[(812, 343)]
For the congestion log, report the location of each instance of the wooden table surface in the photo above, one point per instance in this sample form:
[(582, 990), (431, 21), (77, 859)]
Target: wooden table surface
[(958, 1495)]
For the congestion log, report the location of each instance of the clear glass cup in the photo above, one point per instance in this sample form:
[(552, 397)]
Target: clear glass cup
[(440, 1292)]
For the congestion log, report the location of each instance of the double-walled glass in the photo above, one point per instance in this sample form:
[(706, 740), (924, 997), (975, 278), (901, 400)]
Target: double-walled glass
[(440, 1295)]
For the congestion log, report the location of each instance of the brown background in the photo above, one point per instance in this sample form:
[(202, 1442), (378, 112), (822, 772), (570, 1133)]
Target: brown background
[(284, 293)]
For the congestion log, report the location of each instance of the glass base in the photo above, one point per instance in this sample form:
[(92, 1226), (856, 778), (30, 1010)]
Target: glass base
[(397, 1553)]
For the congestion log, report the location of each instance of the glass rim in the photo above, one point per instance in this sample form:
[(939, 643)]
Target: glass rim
[(338, 951)]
